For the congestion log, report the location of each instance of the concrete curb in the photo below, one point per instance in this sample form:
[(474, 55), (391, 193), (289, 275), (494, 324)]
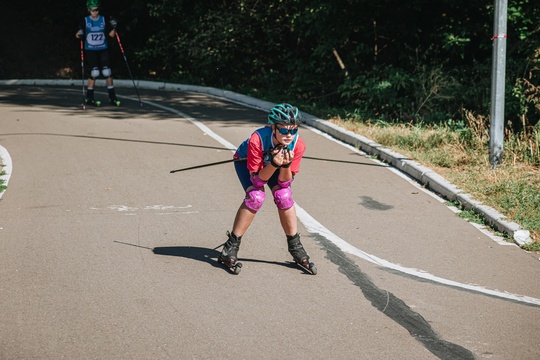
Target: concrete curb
[(420, 173)]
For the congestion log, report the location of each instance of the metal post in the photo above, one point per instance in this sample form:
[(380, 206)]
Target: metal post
[(498, 75)]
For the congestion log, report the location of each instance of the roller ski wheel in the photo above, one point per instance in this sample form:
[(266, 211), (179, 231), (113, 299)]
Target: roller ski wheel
[(308, 267), (301, 258), (229, 254), (91, 102), (234, 267), (115, 103)]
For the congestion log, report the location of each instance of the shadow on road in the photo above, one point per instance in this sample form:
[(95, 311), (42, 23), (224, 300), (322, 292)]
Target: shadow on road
[(186, 145), (199, 106), (68, 99), (203, 254), (208, 256)]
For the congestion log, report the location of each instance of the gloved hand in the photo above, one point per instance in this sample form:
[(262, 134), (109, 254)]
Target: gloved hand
[(288, 157), (80, 34), (279, 156), (113, 23)]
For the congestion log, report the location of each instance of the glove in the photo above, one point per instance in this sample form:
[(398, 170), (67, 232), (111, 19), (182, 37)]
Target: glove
[(113, 23), (80, 34), (288, 156), (276, 152)]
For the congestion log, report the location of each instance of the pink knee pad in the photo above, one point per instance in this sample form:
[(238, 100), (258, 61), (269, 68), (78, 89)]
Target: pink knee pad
[(285, 184), (254, 199), (256, 181), (283, 198)]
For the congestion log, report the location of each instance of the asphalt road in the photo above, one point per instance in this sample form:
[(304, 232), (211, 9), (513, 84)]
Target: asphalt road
[(104, 254)]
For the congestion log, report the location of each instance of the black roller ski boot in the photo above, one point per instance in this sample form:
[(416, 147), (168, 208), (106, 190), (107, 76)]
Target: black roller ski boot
[(89, 100), (92, 102), (115, 102), (299, 254), (112, 97), (229, 254)]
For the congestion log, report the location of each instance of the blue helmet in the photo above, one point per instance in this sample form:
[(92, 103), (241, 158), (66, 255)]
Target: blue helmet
[(285, 114)]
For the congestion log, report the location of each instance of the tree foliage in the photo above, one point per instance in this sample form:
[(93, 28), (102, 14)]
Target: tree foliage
[(393, 60)]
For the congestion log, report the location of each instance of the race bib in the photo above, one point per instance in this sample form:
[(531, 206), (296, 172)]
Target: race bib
[(95, 39)]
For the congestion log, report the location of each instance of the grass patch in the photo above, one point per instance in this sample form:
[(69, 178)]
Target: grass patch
[(471, 216), (534, 247), (460, 153), (2, 182)]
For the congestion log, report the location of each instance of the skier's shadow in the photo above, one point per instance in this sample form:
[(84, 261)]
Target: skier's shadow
[(209, 256)]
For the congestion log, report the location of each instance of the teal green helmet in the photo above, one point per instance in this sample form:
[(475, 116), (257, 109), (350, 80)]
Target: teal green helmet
[(285, 114), (92, 3)]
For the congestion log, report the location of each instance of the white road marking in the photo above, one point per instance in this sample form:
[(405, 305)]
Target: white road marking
[(7, 167), (314, 226), (169, 209)]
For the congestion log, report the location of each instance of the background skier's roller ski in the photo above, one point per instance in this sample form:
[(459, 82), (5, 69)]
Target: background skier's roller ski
[(92, 102)]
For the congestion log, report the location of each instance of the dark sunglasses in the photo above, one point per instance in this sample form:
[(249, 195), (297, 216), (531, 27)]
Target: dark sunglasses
[(94, 10), (285, 131)]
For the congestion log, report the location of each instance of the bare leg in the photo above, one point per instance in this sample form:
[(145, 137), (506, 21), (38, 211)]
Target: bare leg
[(242, 221), (287, 218), (288, 221)]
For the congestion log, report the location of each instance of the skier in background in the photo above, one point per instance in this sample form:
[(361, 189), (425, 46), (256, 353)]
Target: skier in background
[(93, 30)]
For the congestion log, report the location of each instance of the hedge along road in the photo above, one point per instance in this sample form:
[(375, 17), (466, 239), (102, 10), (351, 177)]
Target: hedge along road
[(106, 254)]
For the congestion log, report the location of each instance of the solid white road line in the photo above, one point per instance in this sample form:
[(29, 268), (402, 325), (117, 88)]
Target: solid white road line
[(313, 226)]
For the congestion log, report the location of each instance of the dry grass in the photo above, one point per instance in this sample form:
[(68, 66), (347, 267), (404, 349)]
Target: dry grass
[(462, 157)]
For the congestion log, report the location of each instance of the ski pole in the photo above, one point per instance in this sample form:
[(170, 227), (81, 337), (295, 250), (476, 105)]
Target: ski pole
[(82, 67), (210, 164), (127, 65)]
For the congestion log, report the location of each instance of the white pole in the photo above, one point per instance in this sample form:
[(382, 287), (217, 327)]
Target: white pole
[(498, 76)]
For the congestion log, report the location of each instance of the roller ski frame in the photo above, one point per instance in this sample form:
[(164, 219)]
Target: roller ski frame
[(234, 268), (88, 102), (300, 257), (308, 267), (228, 256)]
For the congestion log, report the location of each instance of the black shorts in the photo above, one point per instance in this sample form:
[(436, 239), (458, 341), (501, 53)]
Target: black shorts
[(245, 179), (96, 59)]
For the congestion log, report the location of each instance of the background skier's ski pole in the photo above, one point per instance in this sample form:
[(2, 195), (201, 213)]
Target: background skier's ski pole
[(127, 64), (82, 67), (210, 164)]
